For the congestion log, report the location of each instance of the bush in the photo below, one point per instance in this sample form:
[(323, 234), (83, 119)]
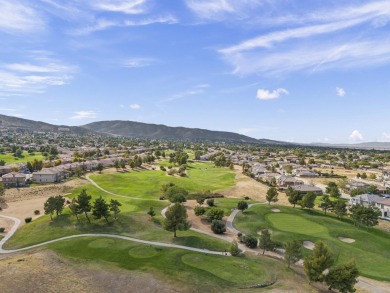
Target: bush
[(162, 168), (234, 250), (214, 214), (28, 220), (162, 198), (210, 202), (2, 229), (37, 212), (218, 227), (199, 211), (240, 237), (250, 241)]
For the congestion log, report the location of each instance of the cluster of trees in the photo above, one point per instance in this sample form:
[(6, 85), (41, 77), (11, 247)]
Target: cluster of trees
[(367, 216), (319, 267), (99, 207), (34, 165), (304, 200), (174, 193), (178, 158)]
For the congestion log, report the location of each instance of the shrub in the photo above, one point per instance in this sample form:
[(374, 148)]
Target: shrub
[(240, 237), (218, 227), (162, 198), (28, 220), (250, 241), (162, 168), (199, 211), (37, 212), (214, 214), (234, 250), (210, 202), (2, 229)]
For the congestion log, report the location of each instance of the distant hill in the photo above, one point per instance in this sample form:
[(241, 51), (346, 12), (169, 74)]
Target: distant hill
[(137, 129), (363, 145), (19, 123)]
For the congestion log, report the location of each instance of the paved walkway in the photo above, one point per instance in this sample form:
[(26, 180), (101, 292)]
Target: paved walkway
[(154, 243)]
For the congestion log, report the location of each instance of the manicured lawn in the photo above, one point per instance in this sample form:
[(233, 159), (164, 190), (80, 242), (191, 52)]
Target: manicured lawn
[(206, 273), (147, 183), (10, 159), (370, 250), (133, 221)]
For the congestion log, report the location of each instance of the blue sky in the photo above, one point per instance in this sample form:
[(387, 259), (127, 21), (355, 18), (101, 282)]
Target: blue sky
[(292, 70)]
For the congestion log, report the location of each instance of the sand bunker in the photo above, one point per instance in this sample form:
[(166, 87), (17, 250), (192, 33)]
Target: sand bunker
[(308, 245), (275, 210), (347, 240)]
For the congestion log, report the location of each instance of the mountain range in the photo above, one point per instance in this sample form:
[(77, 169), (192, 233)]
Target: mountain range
[(134, 129), (158, 131)]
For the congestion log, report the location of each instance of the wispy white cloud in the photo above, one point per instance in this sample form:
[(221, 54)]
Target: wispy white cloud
[(34, 76), (103, 24), (124, 6), (135, 106), (324, 39), (220, 9), (340, 92), (81, 115), (385, 136), (19, 17), (138, 62), (356, 136), (197, 90), (263, 94)]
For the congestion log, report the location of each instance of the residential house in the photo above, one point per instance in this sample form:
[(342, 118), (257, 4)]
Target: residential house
[(384, 207), (365, 199), (352, 185), (5, 170), (284, 181), (47, 175), (305, 173), (14, 179)]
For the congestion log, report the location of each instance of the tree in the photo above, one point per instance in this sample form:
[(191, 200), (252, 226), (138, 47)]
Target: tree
[(199, 211), (75, 209), (2, 189), (242, 205), (250, 241), (78, 171), (343, 277), (151, 212), (340, 208), (293, 196), (100, 167), (293, 252), (214, 214), (50, 206), (234, 250), (84, 202), (59, 204), (114, 208), (265, 242), (272, 195), (369, 216), (176, 219), (372, 189), (101, 209), (308, 200), (363, 176), (320, 260), (176, 194), (372, 176), (333, 190), (325, 204), (218, 227)]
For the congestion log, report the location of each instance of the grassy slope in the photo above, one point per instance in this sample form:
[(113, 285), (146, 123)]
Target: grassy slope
[(10, 159), (146, 184), (201, 272), (370, 249), (133, 221)]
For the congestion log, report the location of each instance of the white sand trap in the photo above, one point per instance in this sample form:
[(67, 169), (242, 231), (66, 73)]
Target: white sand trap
[(308, 245), (347, 240), (275, 210)]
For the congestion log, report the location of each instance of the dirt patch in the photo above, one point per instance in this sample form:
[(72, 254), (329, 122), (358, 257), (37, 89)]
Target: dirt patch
[(384, 225), (347, 240), (308, 245), (44, 191), (275, 210), (246, 186), (45, 271)]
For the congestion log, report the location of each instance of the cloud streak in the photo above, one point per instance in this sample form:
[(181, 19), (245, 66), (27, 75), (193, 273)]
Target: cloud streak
[(263, 94)]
